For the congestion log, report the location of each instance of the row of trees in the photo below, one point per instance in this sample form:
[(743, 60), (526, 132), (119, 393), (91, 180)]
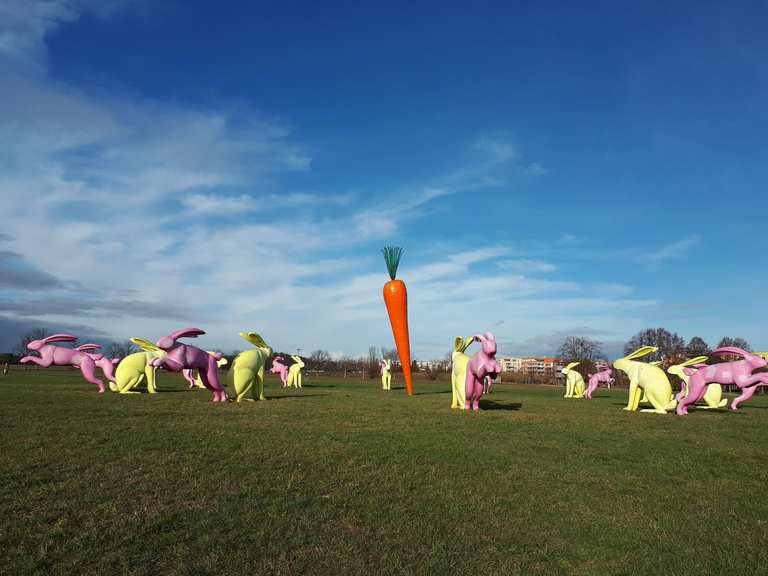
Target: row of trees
[(318, 360), (671, 347), (669, 344)]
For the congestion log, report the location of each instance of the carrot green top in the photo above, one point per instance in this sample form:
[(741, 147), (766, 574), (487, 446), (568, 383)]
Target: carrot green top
[(392, 258)]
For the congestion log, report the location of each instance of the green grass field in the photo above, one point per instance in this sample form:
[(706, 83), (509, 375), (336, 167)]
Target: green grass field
[(343, 478)]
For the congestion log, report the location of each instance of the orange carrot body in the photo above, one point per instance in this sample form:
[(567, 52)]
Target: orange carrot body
[(396, 299)]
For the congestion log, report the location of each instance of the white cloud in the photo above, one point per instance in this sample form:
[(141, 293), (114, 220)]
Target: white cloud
[(496, 149), (524, 265), (293, 199), (673, 251), (101, 179), (535, 169), (218, 204)]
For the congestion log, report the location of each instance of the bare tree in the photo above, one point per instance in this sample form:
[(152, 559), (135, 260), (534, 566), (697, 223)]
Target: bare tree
[(697, 347), (580, 348), (668, 343), (390, 354), (21, 346), (734, 342), (372, 362), (120, 349), (320, 360)]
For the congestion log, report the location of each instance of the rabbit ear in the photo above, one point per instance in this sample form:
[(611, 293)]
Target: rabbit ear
[(640, 352), (693, 361), (572, 365), (254, 339), (467, 343), (489, 336), (458, 344), (86, 347), (186, 333), (731, 350), (145, 345), (479, 337), (59, 338)]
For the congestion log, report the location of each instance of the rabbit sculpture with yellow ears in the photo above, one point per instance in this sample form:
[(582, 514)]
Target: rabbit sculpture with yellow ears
[(646, 379), (574, 381)]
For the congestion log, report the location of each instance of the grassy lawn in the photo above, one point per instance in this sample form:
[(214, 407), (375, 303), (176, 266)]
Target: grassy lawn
[(342, 478)]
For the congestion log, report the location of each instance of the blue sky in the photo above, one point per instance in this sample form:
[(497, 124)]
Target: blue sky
[(550, 169)]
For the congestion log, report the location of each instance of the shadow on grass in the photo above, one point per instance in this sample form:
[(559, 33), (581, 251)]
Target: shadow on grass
[(294, 396), (431, 393), (491, 405)]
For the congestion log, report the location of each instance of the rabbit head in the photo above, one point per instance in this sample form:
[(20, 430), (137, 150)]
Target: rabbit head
[(39, 344), (488, 342), (627, 363), (254, 339), (570, 367), (168, 342), (754, 360), (680, 369)]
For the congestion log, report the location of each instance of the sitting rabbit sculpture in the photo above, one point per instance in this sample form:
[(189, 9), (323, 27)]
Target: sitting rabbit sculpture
[(279, 368), (714, 393), (604, 375), (51, 355), (294, 372), (459, 361), (738, 372), (136, 367), (247, 373), (482, 364), (385, 366), (179, 356), (574, 381), (646, 379)]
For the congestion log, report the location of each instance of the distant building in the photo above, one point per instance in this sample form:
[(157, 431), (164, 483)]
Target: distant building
[(531, 364), (510, 364)]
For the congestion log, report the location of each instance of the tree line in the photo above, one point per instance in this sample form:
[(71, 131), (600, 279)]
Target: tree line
[(671, 346)]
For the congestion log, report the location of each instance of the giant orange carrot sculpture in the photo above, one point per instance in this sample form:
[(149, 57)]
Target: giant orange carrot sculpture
[(396, 299)]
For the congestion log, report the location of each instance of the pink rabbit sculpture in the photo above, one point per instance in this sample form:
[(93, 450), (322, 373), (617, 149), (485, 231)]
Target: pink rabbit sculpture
[(51, 355), (190, 375), (107, 365), (482, 365), (738, 372), (605, 375), (279, 368), (179, 356)]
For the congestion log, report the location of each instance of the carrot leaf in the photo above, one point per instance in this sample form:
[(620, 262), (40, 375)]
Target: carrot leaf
[(392, 258)]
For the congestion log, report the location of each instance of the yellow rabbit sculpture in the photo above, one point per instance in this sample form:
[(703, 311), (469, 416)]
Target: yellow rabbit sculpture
[(574, 381), (459, 361), (135, 368), (714, 394), (648, 379), (294, 372)]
